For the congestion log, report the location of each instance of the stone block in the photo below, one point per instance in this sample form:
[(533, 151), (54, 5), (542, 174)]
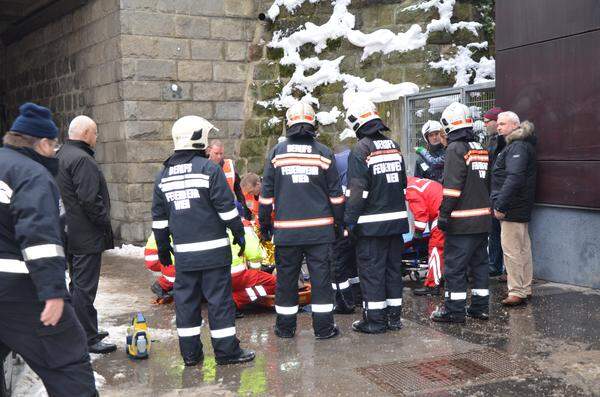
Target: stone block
[(133, 232), (192, 27), (230, 71), (106, 113), (104, 94), (116, 173), (110, 132), (141, 5), (114, 152), (235, 91), (235, 129), (142, 130), (174, 6), (207, 49), (155, 69), (236, 50), (207, 7), (148, 23), (134, 192), (140, 90), (147, 189), (177, 92), (209, 91), (202, 109), (227, 28), (149, 151), (229, 110), (145, 174), (195, 70), (243, 8), (150, 110), (118, 209)]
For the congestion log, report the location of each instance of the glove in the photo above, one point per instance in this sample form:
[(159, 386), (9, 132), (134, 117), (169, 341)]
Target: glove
[(241, 242), (418, 234), (164, 257), (420, 149), (442, 224), (247, 213), (266, 232), (350, 228)]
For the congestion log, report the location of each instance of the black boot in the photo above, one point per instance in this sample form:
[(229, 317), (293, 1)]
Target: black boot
[(477, 315), (368, 326), (344, 302), (441, 315), (192, 361), (245, 356), (433, 291), (157, 289), (102, 348), (335, 331), (394, 322), (285, 326)]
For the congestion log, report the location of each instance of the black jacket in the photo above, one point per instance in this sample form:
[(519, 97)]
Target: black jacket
[(376, 184), (32, 259), (193, 203), (430, 165), (301, 180), (466, 203), (513, 175), (85, 195)]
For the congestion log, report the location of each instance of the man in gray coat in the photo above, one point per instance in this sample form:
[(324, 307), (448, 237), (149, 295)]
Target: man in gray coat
[(87, 204)]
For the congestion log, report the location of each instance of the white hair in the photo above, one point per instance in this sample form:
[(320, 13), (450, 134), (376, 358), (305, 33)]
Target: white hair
[(512, 116), (79, 125)]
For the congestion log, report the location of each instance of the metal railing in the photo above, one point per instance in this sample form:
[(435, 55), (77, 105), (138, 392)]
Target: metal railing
[(428, 105)]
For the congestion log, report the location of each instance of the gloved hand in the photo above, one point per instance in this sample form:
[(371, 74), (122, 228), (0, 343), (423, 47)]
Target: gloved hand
[(247, 213), (164, 257), (420, 149), (240, 241), (350, 229), (266, 232), (442, 224)]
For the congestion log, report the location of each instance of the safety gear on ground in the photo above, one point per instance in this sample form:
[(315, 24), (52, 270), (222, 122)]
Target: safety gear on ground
[(360, 112), (466, 202), (466, 255), (289, 261), (430, 126), (138, 338), (301, 182), (191, 133), (300, 112), (455, 117)]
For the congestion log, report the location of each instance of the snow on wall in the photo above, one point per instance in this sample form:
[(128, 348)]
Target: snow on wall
[(312, 72)]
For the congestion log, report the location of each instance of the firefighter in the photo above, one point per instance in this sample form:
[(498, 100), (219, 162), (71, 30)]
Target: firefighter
[(193, 203), (301, 180), (376, 215), (465, 217), (430, 163), (424, 197), (343, 270), (37, 317)]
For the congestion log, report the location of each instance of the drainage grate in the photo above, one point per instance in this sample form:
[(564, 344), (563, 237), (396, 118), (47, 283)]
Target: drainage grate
[(441, 373)]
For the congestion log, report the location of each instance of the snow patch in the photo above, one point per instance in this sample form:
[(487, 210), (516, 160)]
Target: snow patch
[(346, 134), (331, 117), (464, 66), (100, 380), (128, 250), (273, 121)]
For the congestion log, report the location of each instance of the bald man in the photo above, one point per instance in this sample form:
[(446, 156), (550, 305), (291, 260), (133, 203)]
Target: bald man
[(87, 205)]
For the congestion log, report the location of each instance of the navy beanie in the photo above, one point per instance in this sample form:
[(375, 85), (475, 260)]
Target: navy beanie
[(36, 121)]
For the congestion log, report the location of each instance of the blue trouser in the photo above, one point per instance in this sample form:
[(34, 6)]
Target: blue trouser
[(495, 248)]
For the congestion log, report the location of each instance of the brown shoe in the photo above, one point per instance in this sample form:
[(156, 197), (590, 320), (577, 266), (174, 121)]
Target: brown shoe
[(503, 278), (513, 300)]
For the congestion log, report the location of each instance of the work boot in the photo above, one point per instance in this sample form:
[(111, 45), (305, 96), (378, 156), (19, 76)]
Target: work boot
[(394, 322), (344, 302), (513, 300), (335, 331), (286, 334), (239, 313), (193, 361), (477, 315), (433, 291), (102, 348), (245, 356), (367, 327), (441, 315), (102, 334), (157, 289)]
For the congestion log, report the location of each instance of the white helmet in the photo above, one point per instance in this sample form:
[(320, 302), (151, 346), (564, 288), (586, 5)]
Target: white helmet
[(431, 126), (300, 112), (455, 117), (360, 112), (191, 133)]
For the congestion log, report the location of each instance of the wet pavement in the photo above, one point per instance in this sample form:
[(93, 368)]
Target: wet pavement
[(550, 347)]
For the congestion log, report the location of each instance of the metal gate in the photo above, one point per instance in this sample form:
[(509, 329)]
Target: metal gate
[(429, 105)]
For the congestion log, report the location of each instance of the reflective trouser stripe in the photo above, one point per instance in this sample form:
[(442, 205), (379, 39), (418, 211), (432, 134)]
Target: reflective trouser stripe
[(420, 225), (394, 302), (323, 308), (384, 217), (375, 305), (261, 290), (43, 251), (160, 224), (287, 310), (480, 292), (434, 264), (456, 296), (151, 258), (192, 331), (251, 294), (238, 269), (354, 280), (343, 285), (13, 266), (171, 279), (222, 333), (229, 215), (434, 224)]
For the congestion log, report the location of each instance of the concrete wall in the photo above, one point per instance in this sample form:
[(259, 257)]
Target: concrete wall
[(565, 245)]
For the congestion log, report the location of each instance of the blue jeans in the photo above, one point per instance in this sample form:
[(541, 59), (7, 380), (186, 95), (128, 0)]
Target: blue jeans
[(495, 248)]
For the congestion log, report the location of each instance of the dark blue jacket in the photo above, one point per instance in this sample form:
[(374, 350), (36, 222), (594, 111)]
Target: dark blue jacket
[(32, 259)]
